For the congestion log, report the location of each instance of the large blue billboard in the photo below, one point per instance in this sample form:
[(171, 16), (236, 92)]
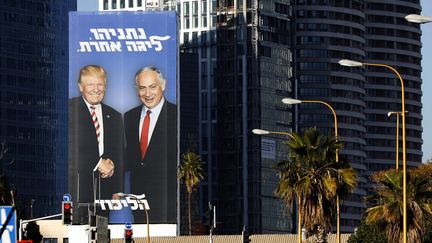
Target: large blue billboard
[(123, 112)]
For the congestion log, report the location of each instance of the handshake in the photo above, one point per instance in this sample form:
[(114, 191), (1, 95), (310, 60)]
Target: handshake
[(105, 167)]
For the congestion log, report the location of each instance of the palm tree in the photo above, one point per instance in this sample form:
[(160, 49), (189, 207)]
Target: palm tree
[(312, 174), (191, 173), (385, 204)]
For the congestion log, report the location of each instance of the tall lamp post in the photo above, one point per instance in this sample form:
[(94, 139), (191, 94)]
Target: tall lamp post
[(397, 113), (290, 101), (349, 63), (265, 132)]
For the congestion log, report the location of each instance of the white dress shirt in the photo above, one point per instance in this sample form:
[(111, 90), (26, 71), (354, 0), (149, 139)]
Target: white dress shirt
[(100, 120)]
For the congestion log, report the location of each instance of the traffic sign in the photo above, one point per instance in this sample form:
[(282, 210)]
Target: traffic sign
[(67, 197), (10, 233), (128, 226)]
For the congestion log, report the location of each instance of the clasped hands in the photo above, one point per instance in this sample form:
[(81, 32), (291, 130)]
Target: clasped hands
[(106, 168)]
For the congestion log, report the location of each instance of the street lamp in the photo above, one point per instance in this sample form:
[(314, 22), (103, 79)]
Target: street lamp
[(290, 101), (350, 63), (397, 113), (265, 132), (419, 19)]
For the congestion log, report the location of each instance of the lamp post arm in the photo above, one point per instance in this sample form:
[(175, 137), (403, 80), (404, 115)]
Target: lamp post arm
[(332, 110), (284, 133), (337, 160)]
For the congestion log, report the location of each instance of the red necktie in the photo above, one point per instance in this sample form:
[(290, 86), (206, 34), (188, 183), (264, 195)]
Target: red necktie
[(144, 134)]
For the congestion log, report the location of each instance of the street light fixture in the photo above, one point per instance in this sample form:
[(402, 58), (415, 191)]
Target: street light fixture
[(419, 19), (350, 63), (290, 101), (260, 132), (265, 132)]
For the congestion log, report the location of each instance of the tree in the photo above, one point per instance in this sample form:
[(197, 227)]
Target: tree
[(367, 233), (32, 232), (312, 174), (385, 204), (190, 172)]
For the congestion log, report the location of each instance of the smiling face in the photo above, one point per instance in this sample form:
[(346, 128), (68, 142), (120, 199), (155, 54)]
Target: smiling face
[(150, 88), (92, 87)]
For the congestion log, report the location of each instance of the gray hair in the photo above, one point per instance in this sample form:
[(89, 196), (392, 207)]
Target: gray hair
[(150, 68)]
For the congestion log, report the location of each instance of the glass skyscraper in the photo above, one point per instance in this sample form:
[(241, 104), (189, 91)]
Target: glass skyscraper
[(33, 103)]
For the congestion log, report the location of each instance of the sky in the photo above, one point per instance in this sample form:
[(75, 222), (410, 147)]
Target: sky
[(427, 81), (87, 5), (92, 5)]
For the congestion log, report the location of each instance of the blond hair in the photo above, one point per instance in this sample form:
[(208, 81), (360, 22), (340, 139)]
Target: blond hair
[(92, 70)]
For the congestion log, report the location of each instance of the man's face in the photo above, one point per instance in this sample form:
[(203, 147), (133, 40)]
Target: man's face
[(150, 90), (92, 88)]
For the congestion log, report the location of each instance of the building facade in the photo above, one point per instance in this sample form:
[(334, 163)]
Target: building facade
[(33, 105), (253, 74), (244, 71), (365, 31)]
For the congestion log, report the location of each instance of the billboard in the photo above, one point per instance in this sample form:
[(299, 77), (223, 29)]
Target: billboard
[(123, 113)]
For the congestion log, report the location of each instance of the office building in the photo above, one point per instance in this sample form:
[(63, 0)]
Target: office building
[(366, 31), (244, 72), (33, 104)]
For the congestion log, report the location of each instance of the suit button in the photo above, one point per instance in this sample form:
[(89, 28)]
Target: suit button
[(142, 163)]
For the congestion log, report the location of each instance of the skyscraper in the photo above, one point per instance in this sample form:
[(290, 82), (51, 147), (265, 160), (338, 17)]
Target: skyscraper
[(253, 74), (245, 70), (33, 107), (365, 31)]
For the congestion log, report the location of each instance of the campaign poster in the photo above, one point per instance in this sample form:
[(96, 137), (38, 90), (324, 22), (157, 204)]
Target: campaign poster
[(123, 115)]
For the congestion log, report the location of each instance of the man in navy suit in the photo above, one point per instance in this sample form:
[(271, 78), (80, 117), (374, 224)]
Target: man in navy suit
[(95, 143), (151, 147)]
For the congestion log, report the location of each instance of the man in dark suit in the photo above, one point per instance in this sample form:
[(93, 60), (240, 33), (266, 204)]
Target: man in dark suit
[(151, 147), (95, 143)]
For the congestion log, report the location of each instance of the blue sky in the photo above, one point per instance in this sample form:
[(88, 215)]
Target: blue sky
[(427, 82), (87, 5), (92, 5)]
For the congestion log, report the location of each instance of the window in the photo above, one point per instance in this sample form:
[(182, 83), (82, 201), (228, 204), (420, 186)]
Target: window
[(194, 7), (186, 22), (204, 7), (185, 37), (214, 6), (203, 37), (204, 20), (186, 8), (195, 21), (195, 37), (50, 240)]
